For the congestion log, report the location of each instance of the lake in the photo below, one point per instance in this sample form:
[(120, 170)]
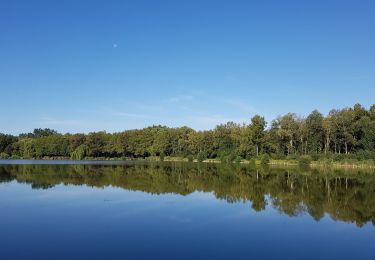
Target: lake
[(128, 210)]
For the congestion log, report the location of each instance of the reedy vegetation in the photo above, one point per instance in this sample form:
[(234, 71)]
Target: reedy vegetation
[(342, 134)]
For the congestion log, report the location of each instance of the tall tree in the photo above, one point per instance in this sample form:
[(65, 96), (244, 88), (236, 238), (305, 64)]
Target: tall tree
[(328, 132), (315, 132), (287, 131), (257, 127)]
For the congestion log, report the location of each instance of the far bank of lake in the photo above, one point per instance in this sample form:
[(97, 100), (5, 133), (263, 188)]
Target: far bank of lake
[(323, 164)]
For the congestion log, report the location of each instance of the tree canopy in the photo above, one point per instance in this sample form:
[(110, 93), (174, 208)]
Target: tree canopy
[(343, 132)]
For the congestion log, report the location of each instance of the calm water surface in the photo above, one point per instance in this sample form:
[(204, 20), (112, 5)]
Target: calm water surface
[(183, 211)]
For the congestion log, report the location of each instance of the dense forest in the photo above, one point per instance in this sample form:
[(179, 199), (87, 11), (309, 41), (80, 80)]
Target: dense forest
[(343, 133)]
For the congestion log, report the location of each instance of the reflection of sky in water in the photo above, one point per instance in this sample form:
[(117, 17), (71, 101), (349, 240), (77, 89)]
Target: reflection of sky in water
[(81, 221)]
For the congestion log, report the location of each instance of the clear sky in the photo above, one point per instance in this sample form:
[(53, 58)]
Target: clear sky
[(81, 66)]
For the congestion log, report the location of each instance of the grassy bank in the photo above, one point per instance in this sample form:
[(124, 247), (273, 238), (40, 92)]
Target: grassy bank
[(350, 163), (302, 161), (353, 164)]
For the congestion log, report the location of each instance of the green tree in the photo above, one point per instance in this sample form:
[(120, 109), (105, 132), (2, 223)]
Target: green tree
[(315, 132), (345, 120), (257, 127), (6, 142), (80, 152), (287, 127), (95, 143)]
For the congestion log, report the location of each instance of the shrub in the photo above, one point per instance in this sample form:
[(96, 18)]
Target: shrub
[(238, 159), (304, 160), (190, 158), (223, 158), (278, 156), (264, 159), (351, 161), (252, 162), (201, 157), (365, 155), (292, 157), (338, 157), (232, 157), (79, 153), (162, 157), (314, 157), (227, 156), (4, 156), (326, 161)]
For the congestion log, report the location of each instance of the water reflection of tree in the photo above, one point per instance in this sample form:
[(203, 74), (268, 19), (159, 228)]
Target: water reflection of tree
[(345, 196)]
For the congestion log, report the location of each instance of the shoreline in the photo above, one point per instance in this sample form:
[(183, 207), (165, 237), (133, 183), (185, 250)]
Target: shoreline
[(284, 163)]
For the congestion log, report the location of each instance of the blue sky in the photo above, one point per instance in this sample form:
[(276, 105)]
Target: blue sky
[(81, 66)]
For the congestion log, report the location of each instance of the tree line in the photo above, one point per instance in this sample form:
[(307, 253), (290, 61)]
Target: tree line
[(343, 133)]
